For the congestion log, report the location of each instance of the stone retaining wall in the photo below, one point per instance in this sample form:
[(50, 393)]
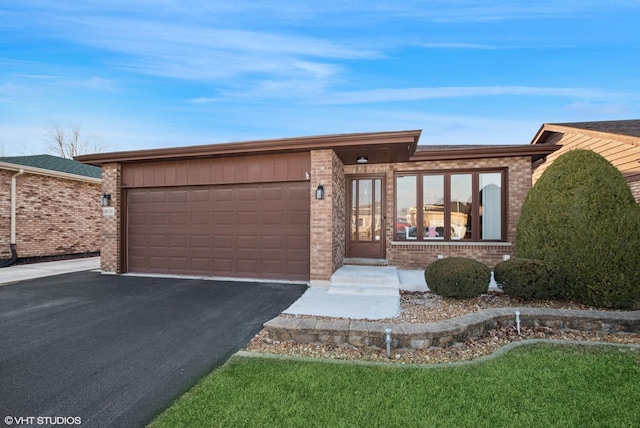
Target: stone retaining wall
[(445, 333)]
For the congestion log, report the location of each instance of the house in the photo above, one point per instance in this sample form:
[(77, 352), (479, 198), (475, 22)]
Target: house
[(299, 208), (49, 207), (617, 140)]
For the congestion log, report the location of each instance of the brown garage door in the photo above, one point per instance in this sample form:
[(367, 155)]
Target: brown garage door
[(249, 230)]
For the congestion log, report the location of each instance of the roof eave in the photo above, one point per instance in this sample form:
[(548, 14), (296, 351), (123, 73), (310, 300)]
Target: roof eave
[(549, 128), (48, 172), (405, 140), (535, 152)]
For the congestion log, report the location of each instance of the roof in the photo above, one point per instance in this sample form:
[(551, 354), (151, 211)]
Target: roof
[(54, 163), (623, 130), (469, 151), (378, 147)]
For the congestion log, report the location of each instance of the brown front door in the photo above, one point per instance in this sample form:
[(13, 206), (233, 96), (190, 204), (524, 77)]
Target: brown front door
[(365, 228)]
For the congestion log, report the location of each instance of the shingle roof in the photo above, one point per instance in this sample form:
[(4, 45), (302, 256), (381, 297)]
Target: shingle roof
[(623, 127), (55, 163)]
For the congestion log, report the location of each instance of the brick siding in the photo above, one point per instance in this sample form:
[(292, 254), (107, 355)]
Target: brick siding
[(321, 221), (339, 226), (111, 228), (54, 216), (5, 213), (417, 255)]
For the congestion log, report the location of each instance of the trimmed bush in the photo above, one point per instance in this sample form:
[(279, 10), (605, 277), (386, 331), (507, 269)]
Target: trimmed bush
[(529, 279), (457, 277), (582, 217)]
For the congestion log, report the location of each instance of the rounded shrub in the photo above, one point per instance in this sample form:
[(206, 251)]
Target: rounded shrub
[(457, 277), (529, 279), (582, 217)]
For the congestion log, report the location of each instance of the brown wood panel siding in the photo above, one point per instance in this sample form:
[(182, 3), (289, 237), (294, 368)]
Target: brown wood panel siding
[(230, 170), (247, 230), (624, 156)]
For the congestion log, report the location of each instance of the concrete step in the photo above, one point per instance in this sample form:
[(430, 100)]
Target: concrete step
[(361, 261), (373, 281)]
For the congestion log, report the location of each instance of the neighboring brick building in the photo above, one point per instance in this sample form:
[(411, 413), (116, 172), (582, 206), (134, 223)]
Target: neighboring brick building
[(617, 140), (57, 207), (298, 208)]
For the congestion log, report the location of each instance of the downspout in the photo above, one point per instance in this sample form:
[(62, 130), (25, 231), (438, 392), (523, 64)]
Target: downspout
[(12, 243)]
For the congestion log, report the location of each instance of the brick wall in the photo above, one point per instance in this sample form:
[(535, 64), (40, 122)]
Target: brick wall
[(5, 213), (54, 216), (321, 252), (110, 260), (417, 255), (339, 196)]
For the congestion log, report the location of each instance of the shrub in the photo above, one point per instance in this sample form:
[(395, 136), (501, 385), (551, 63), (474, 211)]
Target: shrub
[(529, 279), (581, 216), (457, 277)]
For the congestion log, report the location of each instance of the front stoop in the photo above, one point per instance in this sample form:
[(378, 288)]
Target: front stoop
[(366, 280)]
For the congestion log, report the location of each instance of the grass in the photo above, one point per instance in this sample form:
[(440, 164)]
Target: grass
[(537, 385)]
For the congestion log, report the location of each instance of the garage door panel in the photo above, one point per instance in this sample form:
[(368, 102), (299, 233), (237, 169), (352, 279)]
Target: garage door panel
[(157, 262), (248, 230), (248, 194), (298, 243), (200, 241), (178, 195), (246, 243)]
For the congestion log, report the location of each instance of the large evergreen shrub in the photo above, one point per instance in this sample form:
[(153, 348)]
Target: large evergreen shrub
[(582, 217), (457, 277)]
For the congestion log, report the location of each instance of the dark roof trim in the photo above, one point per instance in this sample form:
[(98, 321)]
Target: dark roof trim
[(453, 152), (404, 142), (548, 129)]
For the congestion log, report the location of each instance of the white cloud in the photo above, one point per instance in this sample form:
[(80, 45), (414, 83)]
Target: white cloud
[(598, 110), (413, 94)]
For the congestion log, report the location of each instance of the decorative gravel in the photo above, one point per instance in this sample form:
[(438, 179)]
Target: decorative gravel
[(420, 307)]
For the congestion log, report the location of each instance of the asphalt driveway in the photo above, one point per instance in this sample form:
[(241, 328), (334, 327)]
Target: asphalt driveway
[(115, 350)]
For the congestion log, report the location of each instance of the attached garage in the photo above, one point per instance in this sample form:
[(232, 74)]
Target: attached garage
[(243, 230), (269, 209), (228, 216)]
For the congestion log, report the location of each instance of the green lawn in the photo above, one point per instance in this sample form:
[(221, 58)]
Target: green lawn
[(537, 385)]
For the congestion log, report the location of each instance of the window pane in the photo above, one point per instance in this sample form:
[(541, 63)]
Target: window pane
[(365, 210), (433, 205), (491, 205), (460, 203), (354, 199), (377, 215), (406, 212)]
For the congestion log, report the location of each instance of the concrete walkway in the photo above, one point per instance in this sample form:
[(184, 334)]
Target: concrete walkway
[(360, 292), (365, 300), (16, 273)]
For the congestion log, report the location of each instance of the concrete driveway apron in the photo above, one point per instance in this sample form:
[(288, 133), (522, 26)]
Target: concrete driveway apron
[(117, 350)]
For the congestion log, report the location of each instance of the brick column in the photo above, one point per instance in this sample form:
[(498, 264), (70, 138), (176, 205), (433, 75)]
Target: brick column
[(321, 252), (111, 228)]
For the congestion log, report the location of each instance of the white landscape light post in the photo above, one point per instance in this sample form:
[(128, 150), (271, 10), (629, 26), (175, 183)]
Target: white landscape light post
[(518, 321), (387, 340)]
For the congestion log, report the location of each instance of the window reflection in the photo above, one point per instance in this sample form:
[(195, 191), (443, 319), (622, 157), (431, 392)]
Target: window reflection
[(448, 211)]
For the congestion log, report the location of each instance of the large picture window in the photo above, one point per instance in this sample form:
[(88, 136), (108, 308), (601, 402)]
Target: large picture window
[(455, 206)]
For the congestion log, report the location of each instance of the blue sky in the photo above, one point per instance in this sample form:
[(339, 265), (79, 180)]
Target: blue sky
[(140, 74)]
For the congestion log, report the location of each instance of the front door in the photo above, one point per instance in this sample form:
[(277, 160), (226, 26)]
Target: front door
[(365, 228)]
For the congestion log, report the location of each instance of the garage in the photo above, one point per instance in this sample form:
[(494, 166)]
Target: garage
[(243, 230)]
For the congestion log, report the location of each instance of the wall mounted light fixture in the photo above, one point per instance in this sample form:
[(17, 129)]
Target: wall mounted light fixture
[(320, 192), (105, 201), (362, 159)]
